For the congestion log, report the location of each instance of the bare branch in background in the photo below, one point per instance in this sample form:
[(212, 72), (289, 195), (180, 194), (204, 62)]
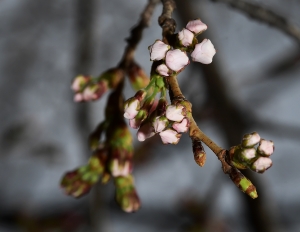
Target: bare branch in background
[(264, 15)]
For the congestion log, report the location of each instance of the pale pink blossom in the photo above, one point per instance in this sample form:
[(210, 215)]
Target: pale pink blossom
[(250, 140), (163, 70), (262, 164), (158, 50), (186, 37), (196, 26), (175, 113), (118, 169), (182, 126), (78, 97), (170, 136), (160, 123), (176, 59), (131, 108), (91, 92), (146, 131), (266, 147), (204, 52), (79, 82)]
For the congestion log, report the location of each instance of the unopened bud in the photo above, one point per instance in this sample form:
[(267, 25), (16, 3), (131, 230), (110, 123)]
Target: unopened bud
[(181, 127), (160, 123), (185, 37), (199, 153), (170, 136), (163, 70), (176, 59), (250, 140), (196, 26), (261, 164), (158, 50), (146, 131), (175, 113), (266, 147), (137, 76), (203, 52)]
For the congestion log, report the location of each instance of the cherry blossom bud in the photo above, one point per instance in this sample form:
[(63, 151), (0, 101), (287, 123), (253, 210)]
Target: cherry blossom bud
[(118, 169), (126, 195), (78, 97), (163, 70), (261, 164), (160, 123), (203, 52), (247, 154), (266, 147), (182, 126), (79, 82), (137, 76), (196, 26), (94, 91), (175, 113), (176, 59), (131, 108), (158, 50), (250, 140), (136, 122), (146, 131), (170, 136), (185, 37)]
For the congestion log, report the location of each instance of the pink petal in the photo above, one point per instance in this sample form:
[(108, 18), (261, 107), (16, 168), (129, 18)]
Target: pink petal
[(262, 164), (196, 26), (204, 52), (158, 50), (175, 113), (169, 136), (78, 97), (163, 70), (160, 123), (79, 82), (250, 140), (131, 108), (146, 131), (176, 59), (186, 37), (182, 126), (266, 147)]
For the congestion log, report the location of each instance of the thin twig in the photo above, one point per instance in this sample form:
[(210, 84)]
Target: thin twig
[(265, 16), (136, 34)]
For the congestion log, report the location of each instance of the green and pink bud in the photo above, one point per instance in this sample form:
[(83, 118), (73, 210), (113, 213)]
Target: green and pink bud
[(126, 195), (250, 140), (160, 123), (266, 147), (175, 112), (261, 164)]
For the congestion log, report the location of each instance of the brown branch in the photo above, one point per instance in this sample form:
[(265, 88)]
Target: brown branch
[(166, 21), (264, 15)]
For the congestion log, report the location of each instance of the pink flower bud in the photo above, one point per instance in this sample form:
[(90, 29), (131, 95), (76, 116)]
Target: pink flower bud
[(204, 52), (250, 140), (131, 108), (175, 113), (266, 147), (196, 26), (79, 82), (163, 70), (146, 131), (169, 136), (261, 164), (176, 59), (134, 123), (160, 123), (185, 37), (158, 50), (120, 170), (182, 126), (90, 92), (248, 154)]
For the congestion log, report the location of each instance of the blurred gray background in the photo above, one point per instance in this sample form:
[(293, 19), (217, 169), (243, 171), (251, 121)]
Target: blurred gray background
[(252, 85)]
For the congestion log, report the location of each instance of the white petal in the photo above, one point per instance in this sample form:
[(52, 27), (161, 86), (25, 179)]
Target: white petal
[(196, 26), (249, 140), (158, 50), (131, 108), (204, 52), (174, 113), (186, 37), (160, 123), (182, 126), (266, 147), (146, 131), (170, 136), (176, 59), (162, 70)]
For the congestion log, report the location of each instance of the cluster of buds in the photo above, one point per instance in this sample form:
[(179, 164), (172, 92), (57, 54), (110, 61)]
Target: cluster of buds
[(87, 88), (152, 117), (253, 153), (175, 58)]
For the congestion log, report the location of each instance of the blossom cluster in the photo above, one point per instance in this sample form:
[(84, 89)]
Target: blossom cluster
[(253, 153), (175, 58)]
